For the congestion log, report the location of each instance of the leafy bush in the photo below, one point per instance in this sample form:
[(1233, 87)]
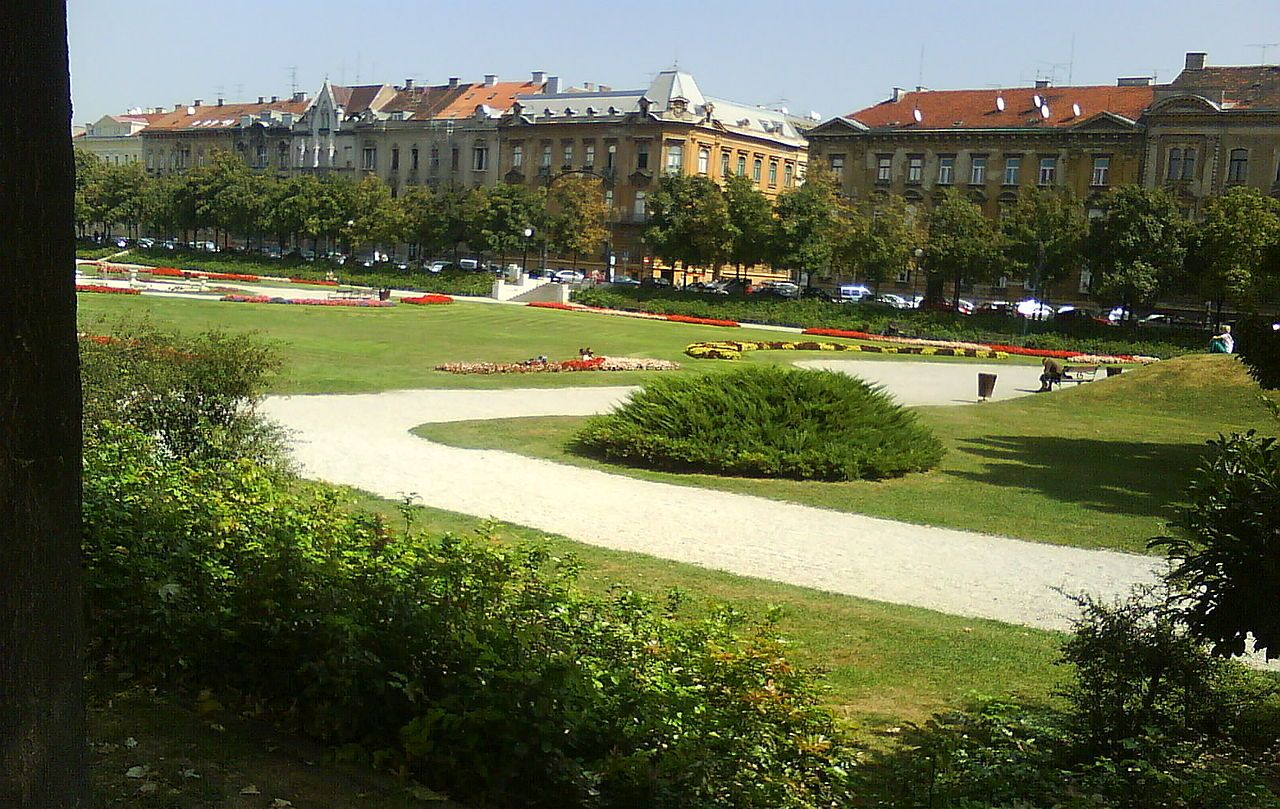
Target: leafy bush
[(194, 394), (1258, 345), (1085, 337), (477, 668), (766, 422), (1227, 553)]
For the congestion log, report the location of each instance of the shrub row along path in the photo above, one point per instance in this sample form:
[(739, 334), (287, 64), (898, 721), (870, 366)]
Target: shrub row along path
[(364, 441)]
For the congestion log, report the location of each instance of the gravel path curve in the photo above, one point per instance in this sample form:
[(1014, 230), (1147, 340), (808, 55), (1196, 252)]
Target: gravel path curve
[(362, 441)]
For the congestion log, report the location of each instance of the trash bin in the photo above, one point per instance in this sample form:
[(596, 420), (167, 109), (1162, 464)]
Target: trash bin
[(384, 294), (1114, 370), (986, 386)]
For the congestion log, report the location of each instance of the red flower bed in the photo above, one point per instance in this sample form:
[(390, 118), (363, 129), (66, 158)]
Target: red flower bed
[(313, 282), (702, 321), (427, 300), (568, 307), (166, 272), (106, 289), (582, 365), (227, 276), (852, 335), (309, 301)]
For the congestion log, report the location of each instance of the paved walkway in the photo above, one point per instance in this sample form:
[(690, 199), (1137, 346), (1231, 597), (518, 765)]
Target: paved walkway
[(363, 441)]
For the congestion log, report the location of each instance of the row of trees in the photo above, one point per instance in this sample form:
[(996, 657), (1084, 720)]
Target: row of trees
[(232, 201)]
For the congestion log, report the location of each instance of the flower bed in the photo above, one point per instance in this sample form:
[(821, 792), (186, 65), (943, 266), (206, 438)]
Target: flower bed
[(319, 282), (106, 289), (593, 364), (225, 276), (1074, 356), (165, 272), (571, 307), (427, 300), (733, 349), (309, 301)]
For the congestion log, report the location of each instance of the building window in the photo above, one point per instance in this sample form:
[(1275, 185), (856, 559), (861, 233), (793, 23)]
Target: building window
[(836, 161), (566, 155), (1189, 164), (1101, 171), (1238, 168), (639, 207), (742, 166), (546, 156), (978, 170), (642, 156), (261, 160), (756, 166), (788, 175), (915, 169), (282, 156), (589, 155), (453, 158), (724, 164), (946, 170), (324, 120), (675, 158), (413, 159), (884, 168), (1048, 170), (1012, 168), (480, 157), (608, 198), (435, 158), (1086, 281), (517, 156), (704, 160), (346, 156), (395, 158), (1001, 283), (370, 159), (1175, 164), (773, 174), (610, 156)]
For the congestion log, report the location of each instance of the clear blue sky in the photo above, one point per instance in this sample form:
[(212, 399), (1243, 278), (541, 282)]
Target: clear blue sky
[(828, 56)]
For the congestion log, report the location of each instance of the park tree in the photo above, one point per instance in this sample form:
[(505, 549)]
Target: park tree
[(807, 225), (751, 215), (373, 215), (1238, 248), (689, 222), (123, 195), (42, 712), (577, 215), (87, 167), (501, 215), (1044, 236), (1137, 247), (961, 246), (877, 239), (439, 219)]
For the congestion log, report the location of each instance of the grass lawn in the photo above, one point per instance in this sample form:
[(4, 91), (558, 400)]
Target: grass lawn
[(349, 350), (1099, 465), (885, 663)]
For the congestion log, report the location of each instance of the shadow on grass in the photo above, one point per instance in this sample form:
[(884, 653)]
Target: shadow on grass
[(1123, 477)]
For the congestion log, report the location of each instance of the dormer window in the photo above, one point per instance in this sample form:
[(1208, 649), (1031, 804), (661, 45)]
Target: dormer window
[(398, 115), (613, 111)]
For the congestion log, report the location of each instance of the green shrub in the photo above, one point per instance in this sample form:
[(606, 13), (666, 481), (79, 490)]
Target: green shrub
[(1258, 345), (766, 422), (477, 668)]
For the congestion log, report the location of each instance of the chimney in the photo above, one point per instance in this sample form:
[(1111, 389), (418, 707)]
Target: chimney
[(588, 86), (196, 103), (1042, 83), (1133, 81), (898, 93), (490, 79), (453, 82), (408, 84), (261, 100), (219, 102), (538, 77), (1195, 60), (553, 84), (300, 96), (179, 106), (604, 88), (274, 99)]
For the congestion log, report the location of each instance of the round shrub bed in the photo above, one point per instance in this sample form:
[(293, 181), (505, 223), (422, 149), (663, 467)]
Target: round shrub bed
[(765, 422)]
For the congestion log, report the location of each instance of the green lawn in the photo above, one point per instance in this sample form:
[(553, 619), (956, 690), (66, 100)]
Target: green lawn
[(1099, 465), (885, 663), (349, 350)]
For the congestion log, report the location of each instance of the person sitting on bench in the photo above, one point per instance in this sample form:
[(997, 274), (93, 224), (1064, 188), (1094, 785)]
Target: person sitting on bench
[(1222, 343), (1053, 371)]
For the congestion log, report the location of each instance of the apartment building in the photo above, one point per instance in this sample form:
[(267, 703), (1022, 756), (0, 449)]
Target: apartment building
[(259, 133)]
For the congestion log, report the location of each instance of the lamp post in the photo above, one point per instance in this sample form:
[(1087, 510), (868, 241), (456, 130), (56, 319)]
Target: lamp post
[(524, 264)]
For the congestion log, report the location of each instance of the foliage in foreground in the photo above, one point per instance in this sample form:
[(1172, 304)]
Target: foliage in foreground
[(476, 666), (1153, 721), (766, 422), (1258, 344)]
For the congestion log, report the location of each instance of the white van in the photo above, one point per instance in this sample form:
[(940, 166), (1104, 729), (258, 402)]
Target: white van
[(852, 293)]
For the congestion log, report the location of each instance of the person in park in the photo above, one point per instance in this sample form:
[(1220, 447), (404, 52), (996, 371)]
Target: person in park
[(1053, 371), (1223, 343)]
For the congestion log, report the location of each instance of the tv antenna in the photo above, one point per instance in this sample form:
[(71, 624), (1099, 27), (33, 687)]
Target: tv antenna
[(1264, 47), (293, 78)]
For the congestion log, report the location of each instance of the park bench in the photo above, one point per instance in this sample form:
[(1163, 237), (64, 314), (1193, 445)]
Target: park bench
[(355, 294), (1078, 374)]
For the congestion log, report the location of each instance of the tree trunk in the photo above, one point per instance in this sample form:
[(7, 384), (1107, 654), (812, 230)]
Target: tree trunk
[(42, 722)]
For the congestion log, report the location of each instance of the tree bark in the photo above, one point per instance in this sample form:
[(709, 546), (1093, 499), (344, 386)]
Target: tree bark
[(42, 722)]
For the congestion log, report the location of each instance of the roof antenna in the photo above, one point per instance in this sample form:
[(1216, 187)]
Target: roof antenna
[(293, 79), (1071, 61), (1264, 47), (920, 72)]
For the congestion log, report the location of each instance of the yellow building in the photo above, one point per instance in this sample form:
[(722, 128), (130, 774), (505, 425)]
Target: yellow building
[(116, 139), (629, 138)]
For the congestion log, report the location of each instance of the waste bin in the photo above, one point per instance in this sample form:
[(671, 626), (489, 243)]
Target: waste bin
[(384, 294), (1114, 370), (986, 386)]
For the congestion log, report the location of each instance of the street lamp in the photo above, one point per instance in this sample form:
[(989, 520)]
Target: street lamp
[(528, 234)]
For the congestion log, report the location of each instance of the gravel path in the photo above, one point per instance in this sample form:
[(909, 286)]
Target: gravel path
[(362, 441)]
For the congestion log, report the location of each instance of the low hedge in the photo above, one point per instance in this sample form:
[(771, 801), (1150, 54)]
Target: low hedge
[(765, 422)]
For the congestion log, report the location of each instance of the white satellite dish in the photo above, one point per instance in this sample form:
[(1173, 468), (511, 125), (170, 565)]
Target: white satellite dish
[(1075, 110), (1000, 103), (1037, 100), (919, 116), (191, 110), (1044, 111)]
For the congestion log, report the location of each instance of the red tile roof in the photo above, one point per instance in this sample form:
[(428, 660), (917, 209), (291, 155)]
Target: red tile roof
[(444, 102), (219, 116), (1250, 87), (976, 109), (355, 99)]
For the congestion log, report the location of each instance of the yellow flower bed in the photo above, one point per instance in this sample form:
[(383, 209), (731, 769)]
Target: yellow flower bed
[(734, 349)]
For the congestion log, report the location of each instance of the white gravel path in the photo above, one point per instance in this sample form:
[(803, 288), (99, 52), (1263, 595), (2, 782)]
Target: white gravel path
[(362, 441)]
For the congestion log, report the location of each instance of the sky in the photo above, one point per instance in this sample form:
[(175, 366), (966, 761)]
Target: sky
[(823, 56)]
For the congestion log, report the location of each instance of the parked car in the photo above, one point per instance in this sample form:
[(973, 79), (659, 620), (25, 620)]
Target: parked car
[(146, 243), (469, 264), (625, 280), (1035, 310), (896, 301), (783, 289), (568, 277), (441, 266), (1079, 314), (851, 293), (818, 292)]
